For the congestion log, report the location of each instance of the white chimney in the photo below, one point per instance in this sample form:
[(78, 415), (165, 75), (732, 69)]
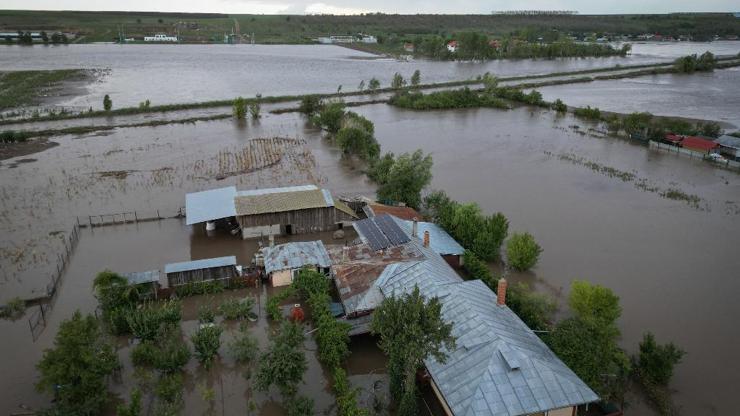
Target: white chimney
[(415, 228)]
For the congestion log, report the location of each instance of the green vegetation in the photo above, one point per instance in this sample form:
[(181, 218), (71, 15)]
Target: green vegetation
[(13, 309), (587, 342), (690, 63), (233, 309), (330, 116), (272, 307), (117, 300), (284, 362), (355, 137), (522, 251), (134, 406), (239, 108), (199, 288), (76, 369), (416, 78), (206, 341), (461, 98), (168, 353), (588, 113), (398, 82), (373, 85), (144, 105), (146, 322), (244, 347), (310, 105), (410, 329), (559, 106), (10, 136), (390, 28), (22, 88), (653, 369), (402, 178), (255, 107), (481, 234), (107, 103)]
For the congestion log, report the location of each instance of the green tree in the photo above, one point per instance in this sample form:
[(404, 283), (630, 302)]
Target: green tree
[(107, 103), (373, 85), (284, 362), (559, 106), (411, 329), (255, 108), (116, 298), (206, 341), (310, 105), (397, 82), (76, 368), (656, 362), (44, 37), (594, 303), (416, 78), (522, 251), (330, 117), (407, 176), (239, 108)]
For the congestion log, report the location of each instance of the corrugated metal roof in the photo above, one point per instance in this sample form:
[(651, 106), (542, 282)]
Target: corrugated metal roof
[(295, 255), (694, 142), (499, 366), (405, 213), (279, 202), (210, 205), (200, 264), (137, 278), (266, 191), (728, 141), (441, 242)]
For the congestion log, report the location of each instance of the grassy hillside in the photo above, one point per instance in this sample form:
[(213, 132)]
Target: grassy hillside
[(103, 26)]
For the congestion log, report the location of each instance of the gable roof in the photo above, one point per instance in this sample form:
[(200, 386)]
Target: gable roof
[(441, 242), (499, 366), (694, 142), (728, 141), (187, 266), (406, 213), (295, 255), (210, 205)]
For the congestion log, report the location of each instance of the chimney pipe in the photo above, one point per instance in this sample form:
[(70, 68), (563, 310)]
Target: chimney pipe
[(272, 240), (426, 238), (501, 292), (415, 228)]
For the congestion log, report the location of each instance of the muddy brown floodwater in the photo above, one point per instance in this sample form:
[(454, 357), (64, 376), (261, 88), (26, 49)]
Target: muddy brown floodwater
[(672, 263)]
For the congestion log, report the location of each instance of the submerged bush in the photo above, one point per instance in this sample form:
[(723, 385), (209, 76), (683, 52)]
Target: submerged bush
[(588, 113), (522, 251), (460, 98), (239, 108), (206, 341), (310, 105), (233, 308)]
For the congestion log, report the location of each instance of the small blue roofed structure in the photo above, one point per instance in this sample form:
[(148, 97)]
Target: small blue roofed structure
[(218, 268), (284, 261)]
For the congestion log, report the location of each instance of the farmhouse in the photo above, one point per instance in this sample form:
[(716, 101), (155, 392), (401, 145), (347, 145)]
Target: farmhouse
[(284, 261), (498, 367), (220, 268), (729, 146), (271, 211)]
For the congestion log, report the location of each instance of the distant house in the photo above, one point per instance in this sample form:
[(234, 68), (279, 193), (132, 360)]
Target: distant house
[(408, 47), (284, 261), (729, 146), (368, 39), (160, 37), (699, 144), (673, 139), (404, 213), (270, 211), (452, 46), (220, 268), (494, 43)]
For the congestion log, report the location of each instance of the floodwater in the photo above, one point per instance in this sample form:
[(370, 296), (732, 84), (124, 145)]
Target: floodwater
[(159, 72), (708, 95)]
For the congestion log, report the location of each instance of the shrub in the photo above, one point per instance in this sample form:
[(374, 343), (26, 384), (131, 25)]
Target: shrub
[(300, 406), (206, 314), (169, 387), (244, 348), (588, 113), (255, 108), (172, 354), (13, 309), (405, 178), (239, 108), (330, 117), (460, 98), (346, 395), (206, 341), (656, 362), (273, 303), (233, 308), (397, 82), (358, 141), (559, 106), (477, 269), (284, 362), (199, 288), (144, 105), (107, 103), (416, 78), (522, 251), (310, 105), (133, 408), (144, 354), (10, 136), (373, 85)]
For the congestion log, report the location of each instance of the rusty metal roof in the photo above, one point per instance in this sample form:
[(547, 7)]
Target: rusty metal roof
[(295, 255), (405, 213)]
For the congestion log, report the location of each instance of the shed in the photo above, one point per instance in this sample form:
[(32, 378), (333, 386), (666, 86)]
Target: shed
[(729, 146), (148, 281), (211, 205), (284, 261), (219, 268)]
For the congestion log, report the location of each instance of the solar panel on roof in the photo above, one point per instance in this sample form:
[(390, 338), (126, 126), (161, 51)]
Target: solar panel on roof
[(392, 231), (375, 238)]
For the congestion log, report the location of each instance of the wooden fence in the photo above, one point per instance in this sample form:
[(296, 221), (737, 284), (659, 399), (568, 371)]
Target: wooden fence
[(728, 164), (37, 320), (129, 217)]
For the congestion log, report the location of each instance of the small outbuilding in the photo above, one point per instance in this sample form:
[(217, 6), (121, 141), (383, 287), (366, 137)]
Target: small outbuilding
[(729, 146), (215, 269), (147, 282), (284, 261)]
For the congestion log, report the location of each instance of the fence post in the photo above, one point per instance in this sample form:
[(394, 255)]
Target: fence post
[(136, 218), (158, 217)]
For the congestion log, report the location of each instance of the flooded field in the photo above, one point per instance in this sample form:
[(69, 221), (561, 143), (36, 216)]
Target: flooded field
[(709, 96), (158, 72)]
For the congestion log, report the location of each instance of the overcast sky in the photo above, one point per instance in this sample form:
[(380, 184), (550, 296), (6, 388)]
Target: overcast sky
[(386, 6)]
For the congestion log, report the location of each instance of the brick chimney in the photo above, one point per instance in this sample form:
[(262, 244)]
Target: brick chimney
[(415, 228), (501, 292), (426, 238)]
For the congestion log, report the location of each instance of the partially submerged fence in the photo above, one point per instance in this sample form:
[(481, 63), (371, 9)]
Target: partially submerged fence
[(37, 320), (728, 164), (128, 217)]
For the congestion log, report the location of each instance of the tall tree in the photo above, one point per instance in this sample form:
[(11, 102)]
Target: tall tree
[(411, 329), (405, 178), (75, 370)]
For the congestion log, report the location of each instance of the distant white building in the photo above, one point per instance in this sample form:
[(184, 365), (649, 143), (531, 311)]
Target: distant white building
[(160, 37), (452, 46), (346, 39), (369, 39)]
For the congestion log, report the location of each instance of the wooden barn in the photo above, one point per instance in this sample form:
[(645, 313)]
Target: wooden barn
[(271, 211), (220, 268)]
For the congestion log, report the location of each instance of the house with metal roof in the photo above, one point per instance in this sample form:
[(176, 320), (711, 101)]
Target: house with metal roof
[(438, 239), (219, 268), (270, 211), (405, 213), (283, 262), (729, 146), (498, 367)]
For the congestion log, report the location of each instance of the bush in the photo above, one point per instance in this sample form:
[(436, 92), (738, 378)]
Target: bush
[(656, 362), (588, 113), (199, 288), (310, 105), (133, 408), (144, 354), (330, 117), (273, 303), (398, 82), (357, 141), (14, 309), (206, 341), (206, 314), (255, 108), (107, 103), (239, 108), (284, 362), (522, 251), (144, 105), (233, 308), (477, 269), (373, 85), (300, 406), (559, 106), (460, 98), (535, 309), (169, 387), (10, 136), (244, 348)]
